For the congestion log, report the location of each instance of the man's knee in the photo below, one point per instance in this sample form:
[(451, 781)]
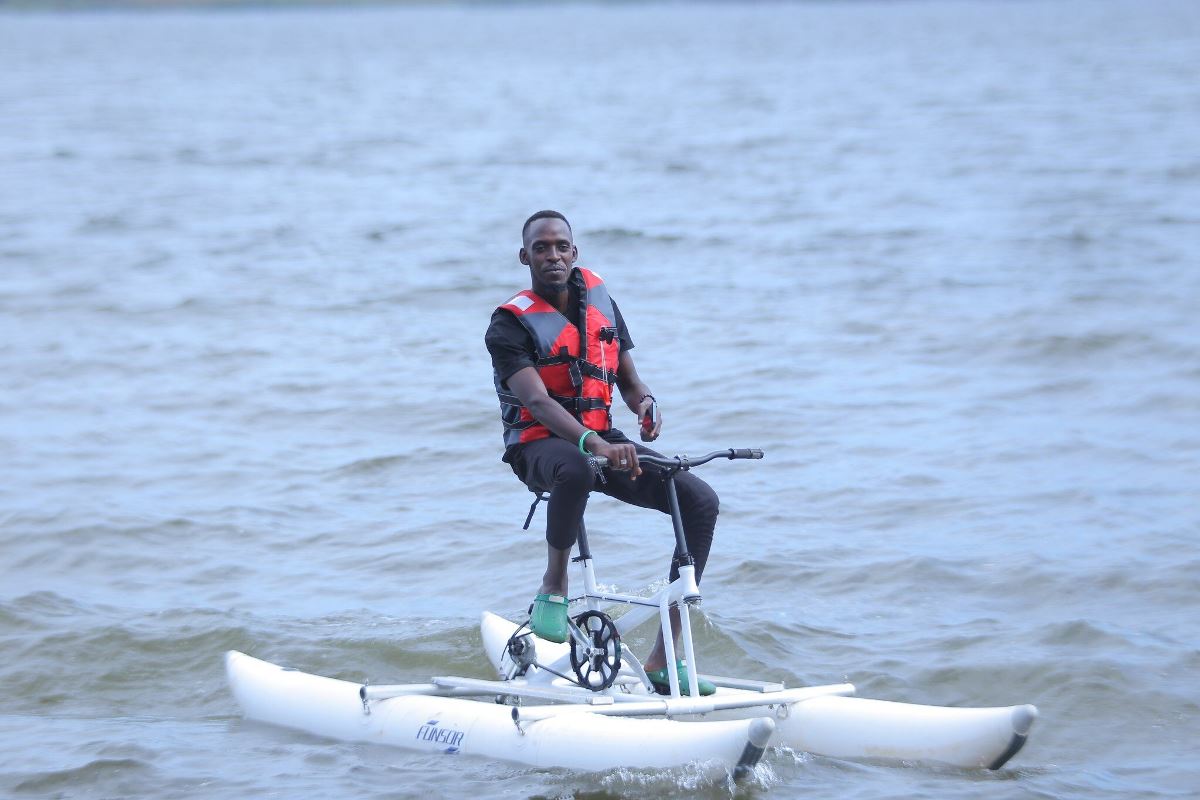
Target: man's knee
[(700, 499), (573, 475)]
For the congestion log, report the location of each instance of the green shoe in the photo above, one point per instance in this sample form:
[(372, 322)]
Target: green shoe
[(548, 617), (662, 683)]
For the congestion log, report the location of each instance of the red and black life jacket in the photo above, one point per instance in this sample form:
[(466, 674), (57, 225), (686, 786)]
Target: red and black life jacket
[(577, 360)]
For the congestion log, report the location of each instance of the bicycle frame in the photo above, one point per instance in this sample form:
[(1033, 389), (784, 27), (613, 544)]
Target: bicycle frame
[(681, 593)]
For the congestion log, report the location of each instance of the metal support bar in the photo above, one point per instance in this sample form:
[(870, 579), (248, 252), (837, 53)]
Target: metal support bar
[(682, 706), (623, 599), (689, 652), (386, 691), (742, 683), (636, 616), (752, 697), (476, 686), (664, 621)]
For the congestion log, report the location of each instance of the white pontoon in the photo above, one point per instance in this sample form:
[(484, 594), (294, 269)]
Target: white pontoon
[(588, 704)]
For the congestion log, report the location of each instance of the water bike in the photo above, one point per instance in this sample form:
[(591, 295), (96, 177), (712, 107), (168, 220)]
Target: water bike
[(588, 704)]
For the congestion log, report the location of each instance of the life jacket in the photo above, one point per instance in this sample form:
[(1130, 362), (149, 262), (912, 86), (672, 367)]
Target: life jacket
[(577, 360)]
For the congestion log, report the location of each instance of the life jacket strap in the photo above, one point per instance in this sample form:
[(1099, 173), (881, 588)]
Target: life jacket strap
[(592, 371), (578, 368), (578, 405), (574, 405)]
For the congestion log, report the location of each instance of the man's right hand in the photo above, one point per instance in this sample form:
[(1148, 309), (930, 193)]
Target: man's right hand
[(621, 457)]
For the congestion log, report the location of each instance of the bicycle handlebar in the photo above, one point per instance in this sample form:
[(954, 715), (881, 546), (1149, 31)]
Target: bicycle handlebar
[(685, 462)]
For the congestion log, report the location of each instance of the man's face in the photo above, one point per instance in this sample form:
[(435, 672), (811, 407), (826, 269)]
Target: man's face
[(549, 253)]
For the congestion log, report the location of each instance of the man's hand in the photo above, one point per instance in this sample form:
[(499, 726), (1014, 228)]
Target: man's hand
[(649, 419), (621, 457), (637, 396)]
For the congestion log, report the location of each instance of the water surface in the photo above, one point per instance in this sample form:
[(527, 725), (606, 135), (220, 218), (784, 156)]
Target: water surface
[(937, 259)]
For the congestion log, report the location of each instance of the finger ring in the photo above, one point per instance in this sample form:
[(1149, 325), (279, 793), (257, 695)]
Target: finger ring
[(623, 462)]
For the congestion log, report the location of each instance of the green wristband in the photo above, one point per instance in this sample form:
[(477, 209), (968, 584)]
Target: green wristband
[(581, 438)]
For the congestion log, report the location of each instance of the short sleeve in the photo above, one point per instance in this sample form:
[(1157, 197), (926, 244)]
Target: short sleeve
[(622, 329), (509, 345)]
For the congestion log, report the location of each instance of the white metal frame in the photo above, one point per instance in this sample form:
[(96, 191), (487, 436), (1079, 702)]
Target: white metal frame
[(683, 592)]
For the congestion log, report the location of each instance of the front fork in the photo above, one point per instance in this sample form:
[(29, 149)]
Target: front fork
[(684, 594)]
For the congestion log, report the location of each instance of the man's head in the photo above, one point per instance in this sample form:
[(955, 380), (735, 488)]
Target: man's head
[(548, 249), (546, 214)]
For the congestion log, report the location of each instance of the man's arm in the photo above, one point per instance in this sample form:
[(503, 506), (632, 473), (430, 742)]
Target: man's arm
[(636, 395), (527, 385)]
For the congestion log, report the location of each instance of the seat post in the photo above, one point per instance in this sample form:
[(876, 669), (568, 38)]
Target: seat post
[(584, 559)]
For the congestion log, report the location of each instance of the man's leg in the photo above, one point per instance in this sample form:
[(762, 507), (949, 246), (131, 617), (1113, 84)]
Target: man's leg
[(557, 466), (554, 580)]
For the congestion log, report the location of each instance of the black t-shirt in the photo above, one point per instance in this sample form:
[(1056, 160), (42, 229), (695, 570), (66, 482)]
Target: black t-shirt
[(511, 346)]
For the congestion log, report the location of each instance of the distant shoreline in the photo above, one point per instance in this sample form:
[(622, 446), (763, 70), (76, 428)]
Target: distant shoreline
[(176, 5), (171, 5)]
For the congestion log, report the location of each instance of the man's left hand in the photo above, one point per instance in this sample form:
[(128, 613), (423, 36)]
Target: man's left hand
[(649, 419)]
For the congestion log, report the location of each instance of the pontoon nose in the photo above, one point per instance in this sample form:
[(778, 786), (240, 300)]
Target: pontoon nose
[(758, 734), (1023, 718)]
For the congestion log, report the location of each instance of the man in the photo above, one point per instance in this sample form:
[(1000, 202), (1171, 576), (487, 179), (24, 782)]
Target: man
[(557, 350)]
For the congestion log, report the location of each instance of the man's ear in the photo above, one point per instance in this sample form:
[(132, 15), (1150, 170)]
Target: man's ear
[(574, 254), (523, 256)]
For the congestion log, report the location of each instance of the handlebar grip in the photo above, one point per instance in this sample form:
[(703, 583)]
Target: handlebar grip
[(745, 453)]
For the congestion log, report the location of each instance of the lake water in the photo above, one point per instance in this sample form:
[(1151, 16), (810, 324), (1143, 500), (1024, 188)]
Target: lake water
[(937, 259)]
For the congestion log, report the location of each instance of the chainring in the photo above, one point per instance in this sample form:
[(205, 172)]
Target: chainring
[(596, 664)]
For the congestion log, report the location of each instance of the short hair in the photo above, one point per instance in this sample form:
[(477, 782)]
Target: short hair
[(546, 214)]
